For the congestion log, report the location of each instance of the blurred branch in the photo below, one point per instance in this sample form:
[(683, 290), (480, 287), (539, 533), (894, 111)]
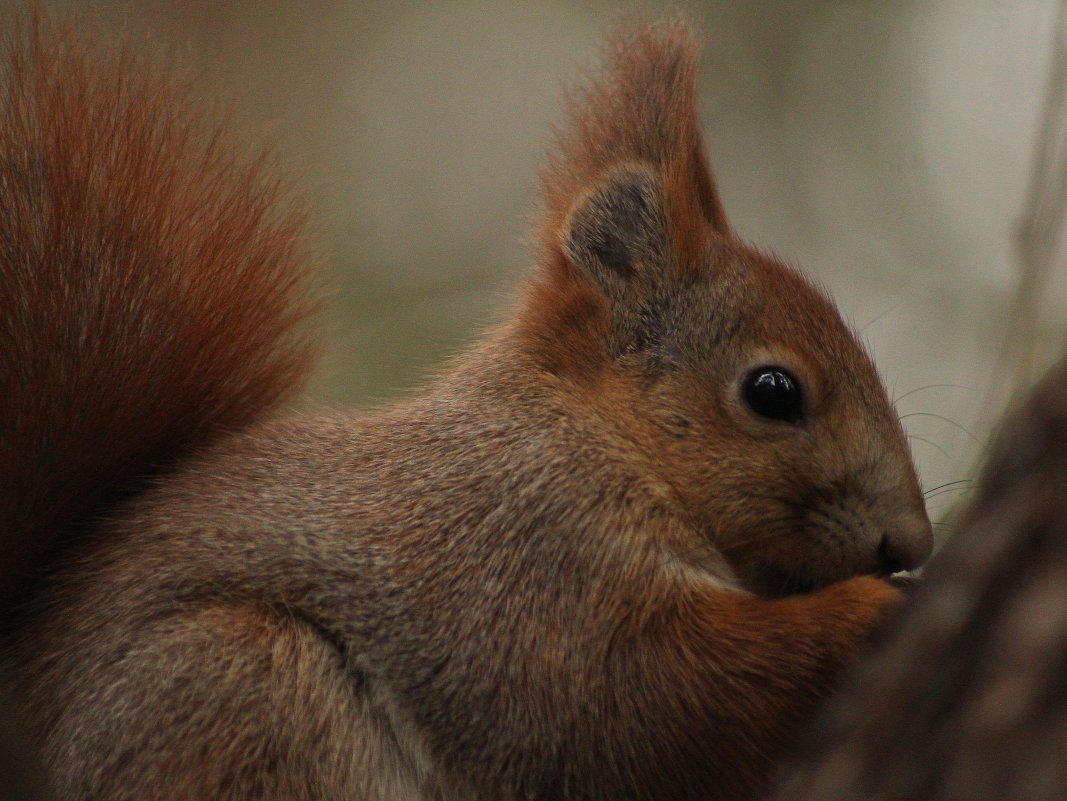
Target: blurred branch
[(1040, 230)]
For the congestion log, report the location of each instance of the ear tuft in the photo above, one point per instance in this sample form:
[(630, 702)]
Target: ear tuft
[(640, 108), (616, 234), (629, 204)]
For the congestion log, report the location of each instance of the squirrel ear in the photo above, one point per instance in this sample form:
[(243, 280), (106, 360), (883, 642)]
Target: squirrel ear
[(616, 234), (639, 109)]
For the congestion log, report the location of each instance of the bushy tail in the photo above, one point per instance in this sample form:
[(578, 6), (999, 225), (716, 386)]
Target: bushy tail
[(153, 284)]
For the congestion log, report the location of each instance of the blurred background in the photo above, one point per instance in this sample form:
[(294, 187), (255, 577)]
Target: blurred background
[(891, 148)]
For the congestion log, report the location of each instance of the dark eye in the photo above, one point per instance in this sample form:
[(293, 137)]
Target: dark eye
[(772, 392)]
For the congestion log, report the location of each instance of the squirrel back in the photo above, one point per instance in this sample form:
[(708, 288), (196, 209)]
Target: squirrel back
[(154, 283), (621, 549)]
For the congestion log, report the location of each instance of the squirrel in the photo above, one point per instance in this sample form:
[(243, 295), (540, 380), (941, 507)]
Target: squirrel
[(620, 549)]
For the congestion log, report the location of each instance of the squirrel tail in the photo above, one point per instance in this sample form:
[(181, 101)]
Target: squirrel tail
[(154, 284)]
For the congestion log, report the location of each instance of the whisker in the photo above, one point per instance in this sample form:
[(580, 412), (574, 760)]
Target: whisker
[(941, 417), (946, 491), (931, 386), (878, 317), (931, 443), (947, 484)]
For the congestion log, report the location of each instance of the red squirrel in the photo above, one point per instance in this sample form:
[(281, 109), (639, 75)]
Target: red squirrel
[(620, 549)]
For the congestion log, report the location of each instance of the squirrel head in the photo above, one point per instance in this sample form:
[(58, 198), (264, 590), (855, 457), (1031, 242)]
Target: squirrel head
[(727, 373)]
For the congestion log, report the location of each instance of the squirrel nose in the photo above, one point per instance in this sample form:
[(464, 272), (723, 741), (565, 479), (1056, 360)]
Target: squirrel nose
[(906, 546)]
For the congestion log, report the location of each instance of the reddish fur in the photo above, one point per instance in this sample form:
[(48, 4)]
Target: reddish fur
[(551, 576), (126, 217)]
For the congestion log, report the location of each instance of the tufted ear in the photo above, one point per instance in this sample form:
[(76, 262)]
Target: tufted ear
[(629, 205), (616, 235), (639, 109)]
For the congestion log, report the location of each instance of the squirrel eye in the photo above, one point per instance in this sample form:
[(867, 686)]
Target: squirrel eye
[(772, 392)]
